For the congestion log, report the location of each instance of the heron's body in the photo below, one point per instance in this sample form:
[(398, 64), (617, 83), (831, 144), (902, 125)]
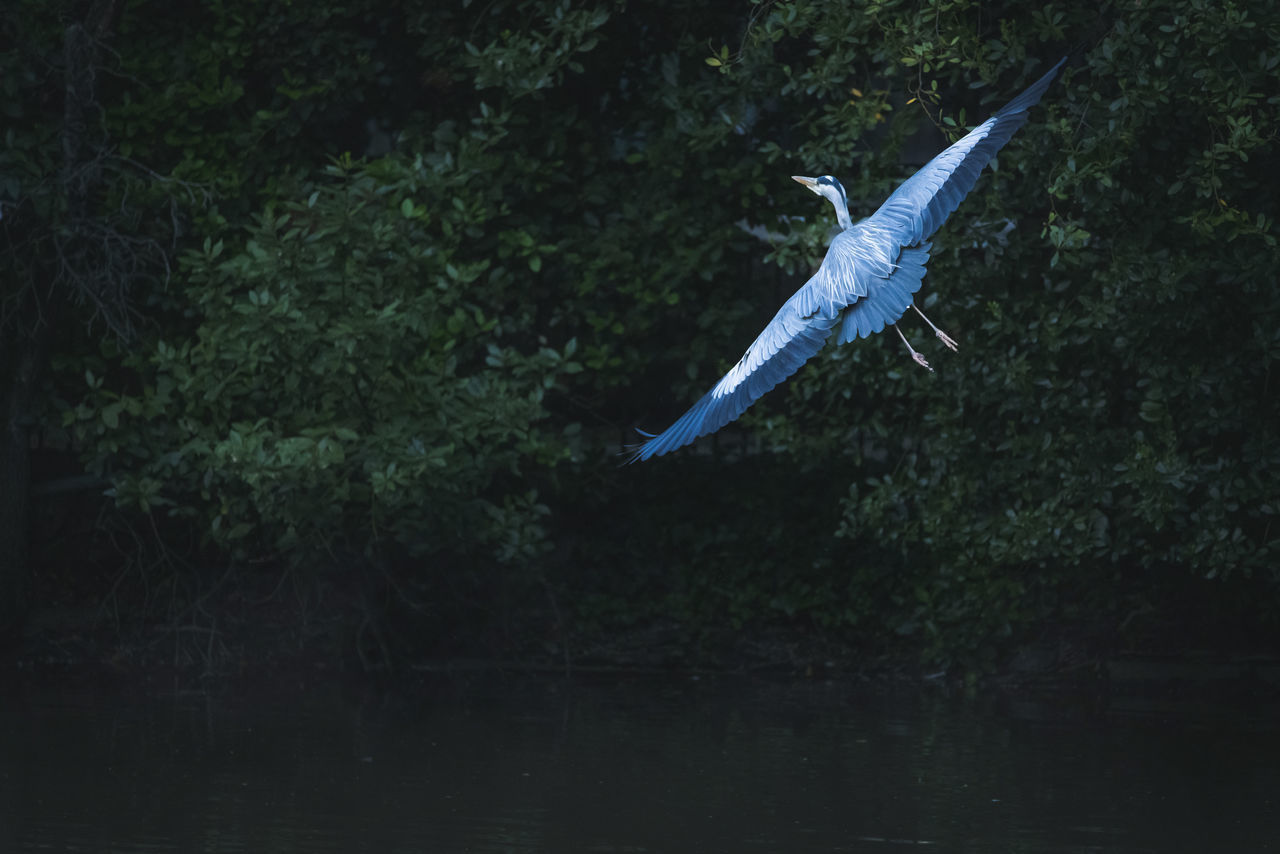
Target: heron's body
[(867, 280)]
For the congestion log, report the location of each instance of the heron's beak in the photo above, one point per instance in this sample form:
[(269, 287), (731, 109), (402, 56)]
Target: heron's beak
[(811, 183)]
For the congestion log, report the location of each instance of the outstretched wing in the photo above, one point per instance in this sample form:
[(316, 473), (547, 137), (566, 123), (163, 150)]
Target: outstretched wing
[(924, 201), (919, 207), (790, 339)]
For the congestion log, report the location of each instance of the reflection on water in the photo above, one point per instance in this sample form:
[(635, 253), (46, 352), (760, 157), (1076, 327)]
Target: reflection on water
[(514, 765)]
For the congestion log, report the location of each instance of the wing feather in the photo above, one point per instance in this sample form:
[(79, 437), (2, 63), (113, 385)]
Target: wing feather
[(924, 201), (888, 298), (863, 291), (786, 343)]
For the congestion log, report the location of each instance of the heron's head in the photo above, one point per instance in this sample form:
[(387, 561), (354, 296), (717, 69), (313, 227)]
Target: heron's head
[(827, 187)]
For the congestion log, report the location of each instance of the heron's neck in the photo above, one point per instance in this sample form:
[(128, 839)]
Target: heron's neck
[(842, 216)]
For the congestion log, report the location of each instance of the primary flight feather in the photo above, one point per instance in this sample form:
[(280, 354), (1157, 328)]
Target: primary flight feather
[(867, 280)]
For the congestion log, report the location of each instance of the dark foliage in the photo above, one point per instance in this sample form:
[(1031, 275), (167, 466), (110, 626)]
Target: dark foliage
[(435, 263)]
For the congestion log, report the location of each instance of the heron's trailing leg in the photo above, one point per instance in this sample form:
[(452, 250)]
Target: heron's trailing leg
[(919, 359), (944, 337)]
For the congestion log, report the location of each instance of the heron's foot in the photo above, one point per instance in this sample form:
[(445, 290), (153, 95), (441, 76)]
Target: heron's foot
[(912, 350), (942, 336)]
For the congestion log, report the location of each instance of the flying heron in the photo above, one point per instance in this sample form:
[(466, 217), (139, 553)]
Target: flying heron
[(867, 280)]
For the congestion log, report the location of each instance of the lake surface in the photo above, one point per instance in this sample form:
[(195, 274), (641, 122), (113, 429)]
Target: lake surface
[(514, 764)]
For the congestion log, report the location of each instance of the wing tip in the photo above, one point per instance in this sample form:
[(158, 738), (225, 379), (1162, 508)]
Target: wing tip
[(638, 451), (1031, 96)]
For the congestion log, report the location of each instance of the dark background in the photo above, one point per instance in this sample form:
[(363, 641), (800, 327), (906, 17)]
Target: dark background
[(323, 325)]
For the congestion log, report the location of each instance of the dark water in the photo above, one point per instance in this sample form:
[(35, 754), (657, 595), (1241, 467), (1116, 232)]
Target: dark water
[(515, 765)]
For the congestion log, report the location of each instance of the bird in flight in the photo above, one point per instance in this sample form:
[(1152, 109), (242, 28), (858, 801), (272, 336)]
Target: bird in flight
[(867, 280)]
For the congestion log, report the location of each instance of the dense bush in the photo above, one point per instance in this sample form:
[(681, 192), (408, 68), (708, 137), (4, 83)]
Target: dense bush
[(436, 351), (345, 383)]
